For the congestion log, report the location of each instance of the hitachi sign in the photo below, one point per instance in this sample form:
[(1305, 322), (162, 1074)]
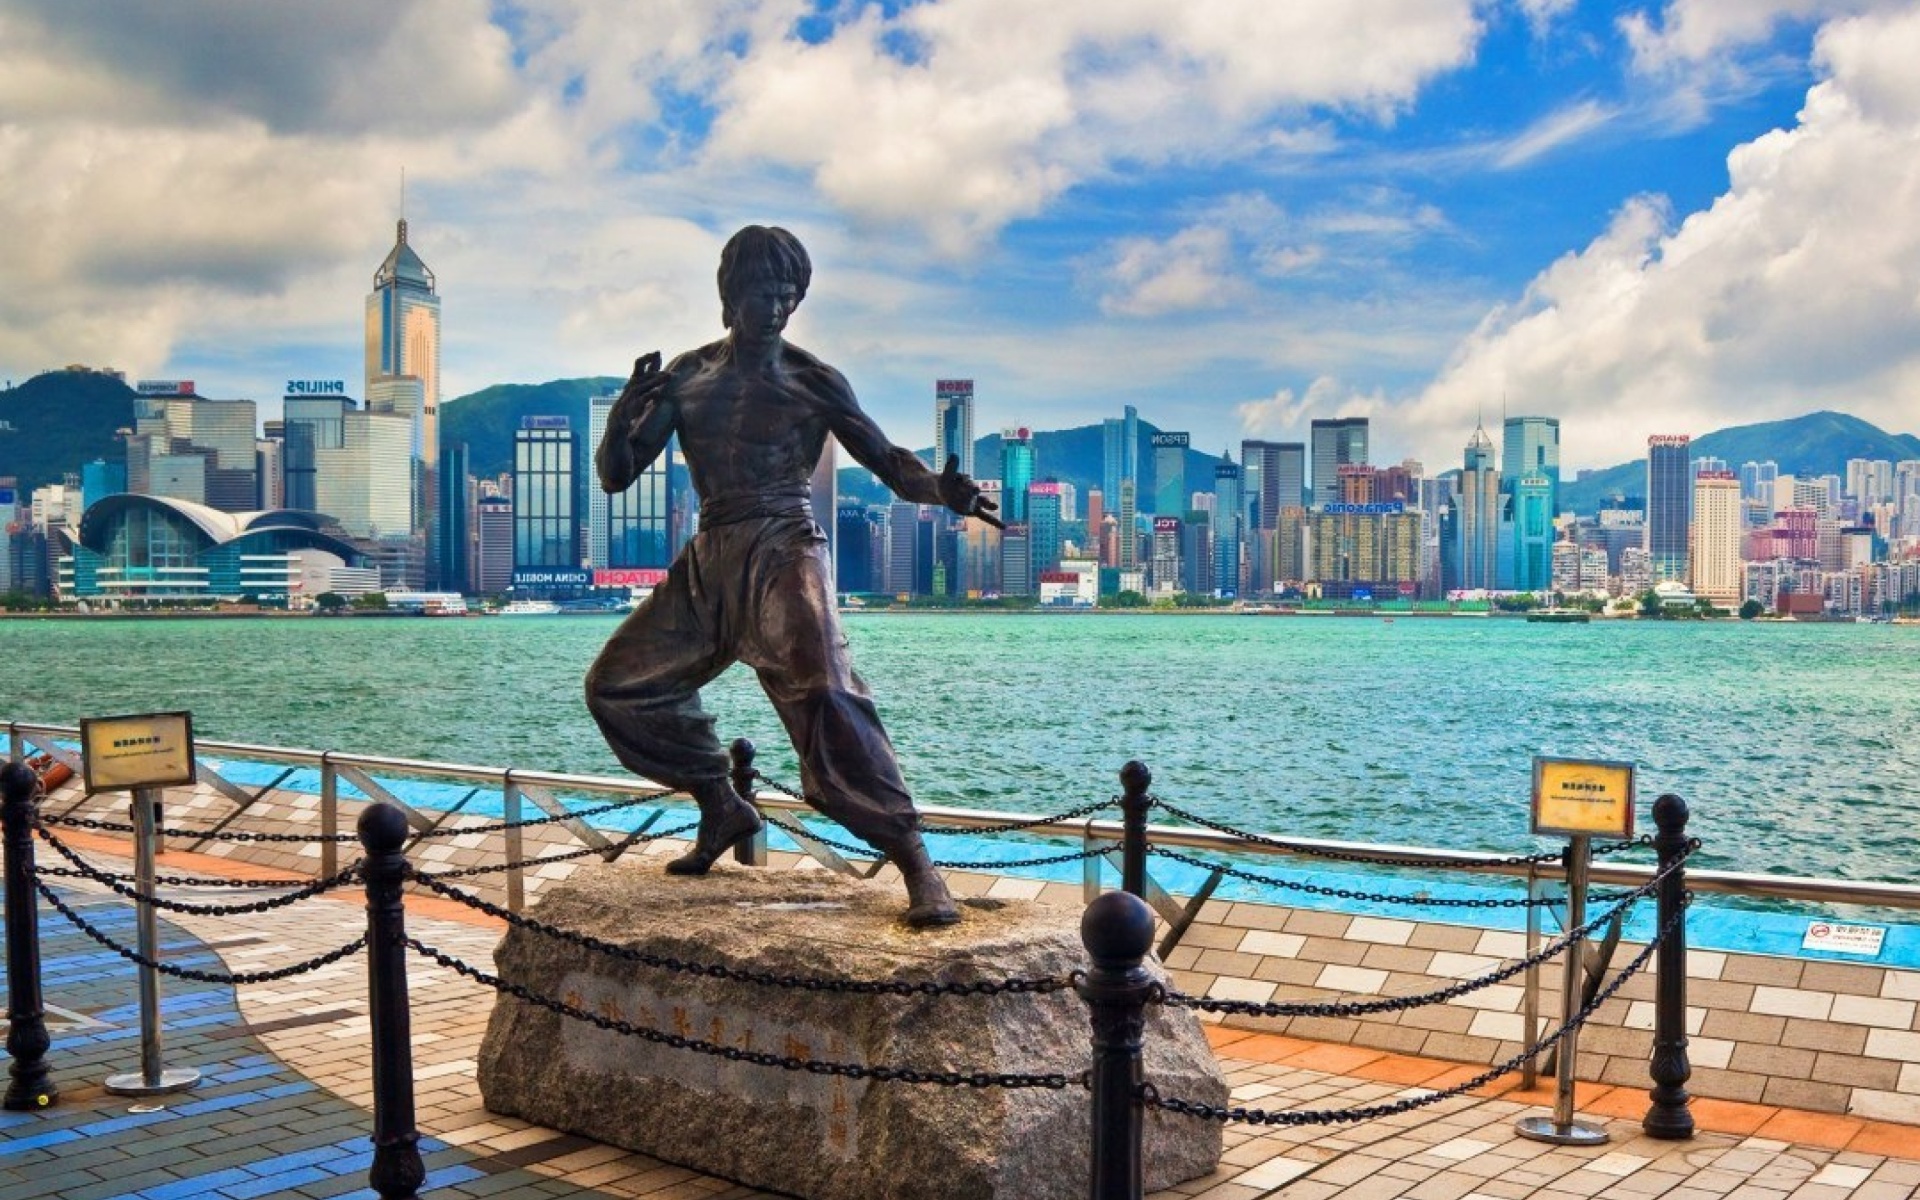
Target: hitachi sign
[(316, 387)]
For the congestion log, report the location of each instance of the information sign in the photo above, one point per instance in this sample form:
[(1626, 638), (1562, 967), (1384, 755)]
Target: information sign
[(148, 750), (1834, 937), (1575, 797)]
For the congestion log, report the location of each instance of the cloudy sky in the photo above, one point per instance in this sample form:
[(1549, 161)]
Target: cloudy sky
[(1667, 216)]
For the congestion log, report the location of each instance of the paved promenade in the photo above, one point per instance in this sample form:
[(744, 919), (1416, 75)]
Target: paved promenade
[(283, 1106)]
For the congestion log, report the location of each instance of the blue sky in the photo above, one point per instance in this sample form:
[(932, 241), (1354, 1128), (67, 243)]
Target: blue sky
[(1236, 215)]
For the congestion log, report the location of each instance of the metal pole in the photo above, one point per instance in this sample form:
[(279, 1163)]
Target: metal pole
[(1117, 929), (1669, 1115), (329, 817), (154, 1078), (1561, 1129), (513, 844), (753, 851), (1135, 780), (27, 1041), (1530, 1002), (397, 1171)]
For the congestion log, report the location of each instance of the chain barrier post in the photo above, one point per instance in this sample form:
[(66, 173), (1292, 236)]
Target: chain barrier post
[(1668, 1116), (27, 1041), (1561, 1129), (153, 1078), (329, 817), (1135, 779), (1117, 929), (513, 844), (397, 1171), (753, 851), (1530, 996)]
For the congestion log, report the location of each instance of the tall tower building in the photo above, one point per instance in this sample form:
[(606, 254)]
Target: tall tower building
[(1016, 472), (546, 529), (1170, 474), (1530, 471), (1227, 533), (1043, 527), (1126, 529), (633, 528), (403, 372), (1715, 537), (1120, 442), (953, 423), (1338, 442), (1478, 516), (1669, 506)]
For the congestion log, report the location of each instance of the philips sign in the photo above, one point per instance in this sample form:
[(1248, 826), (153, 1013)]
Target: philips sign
[(316, 387)]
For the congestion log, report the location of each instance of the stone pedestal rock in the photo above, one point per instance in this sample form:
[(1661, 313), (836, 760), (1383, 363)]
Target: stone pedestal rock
[(818, 1136)]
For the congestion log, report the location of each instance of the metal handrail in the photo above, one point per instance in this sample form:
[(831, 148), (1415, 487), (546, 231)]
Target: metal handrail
[(1733, 883)]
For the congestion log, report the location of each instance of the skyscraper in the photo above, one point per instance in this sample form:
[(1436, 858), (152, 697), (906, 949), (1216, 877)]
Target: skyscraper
[(1016, 472), (1170, 474), (1715, 537), (633, 528), (1530, 474), (1043, 527), (953, 423), (1120, 439), (545, 525), (1477, 517), (1669, 506), (1227, 534), (1338, 442), (1281, 467), (311, 423), (403, 373)]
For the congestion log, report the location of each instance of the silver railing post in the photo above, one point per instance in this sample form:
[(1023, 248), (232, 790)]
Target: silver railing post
[(510, 809), (153, 1078), (1561, 1129), (329, 817), (1530, 999)]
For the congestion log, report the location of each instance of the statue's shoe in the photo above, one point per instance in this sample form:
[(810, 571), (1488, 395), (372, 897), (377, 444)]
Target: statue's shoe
[(719, 833)]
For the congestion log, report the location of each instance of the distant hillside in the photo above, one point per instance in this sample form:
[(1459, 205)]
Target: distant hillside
[(53, 423), (1817, 444), (485, 420)]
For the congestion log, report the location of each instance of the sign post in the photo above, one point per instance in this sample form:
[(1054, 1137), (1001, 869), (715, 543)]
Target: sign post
[(1576, 799), (144, 754)]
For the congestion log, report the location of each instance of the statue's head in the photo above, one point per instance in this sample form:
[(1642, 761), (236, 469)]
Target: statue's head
[(760, 252)]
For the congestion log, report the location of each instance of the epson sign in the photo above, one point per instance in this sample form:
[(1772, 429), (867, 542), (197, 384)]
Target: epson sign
[(316, 387), (1172, 439)]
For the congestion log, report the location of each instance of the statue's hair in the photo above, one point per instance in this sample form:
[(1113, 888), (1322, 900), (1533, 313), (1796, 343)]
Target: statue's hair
[(760, 252)]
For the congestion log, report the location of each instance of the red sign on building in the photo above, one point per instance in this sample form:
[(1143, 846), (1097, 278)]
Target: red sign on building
[(607, 577)]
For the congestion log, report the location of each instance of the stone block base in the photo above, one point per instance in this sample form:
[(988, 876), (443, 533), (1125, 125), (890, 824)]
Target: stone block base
[(820, 1136)]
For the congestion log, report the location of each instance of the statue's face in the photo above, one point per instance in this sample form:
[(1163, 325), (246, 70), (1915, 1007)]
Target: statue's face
[(761, 309)]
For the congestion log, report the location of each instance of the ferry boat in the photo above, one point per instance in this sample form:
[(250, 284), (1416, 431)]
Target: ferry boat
[(1560, 616), (529, 608)]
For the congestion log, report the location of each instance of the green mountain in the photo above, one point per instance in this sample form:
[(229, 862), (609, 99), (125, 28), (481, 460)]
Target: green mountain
[(1817, 444), (485, 420), (53, 423)]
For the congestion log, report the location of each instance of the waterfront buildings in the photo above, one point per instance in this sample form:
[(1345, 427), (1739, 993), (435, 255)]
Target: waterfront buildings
[(1170, 473), (403, 374), (1120, 453), (164, 550), (1669, 505), (545, 527), (1476, 519), (1715, 538), (1530, 474), (631, 529), (1228, 514)]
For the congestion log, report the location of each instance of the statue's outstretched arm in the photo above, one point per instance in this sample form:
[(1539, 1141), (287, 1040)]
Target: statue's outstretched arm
[(899, 468)]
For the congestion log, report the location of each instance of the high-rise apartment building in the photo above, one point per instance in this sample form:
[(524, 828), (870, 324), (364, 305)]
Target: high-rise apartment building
[(1126, 529), (953, 423), (1669, 506), (633, 528), (492, 568), (1715, 538), (1228, 513), (1530, 475), (1043, 527), (1170, 473), (1336, 442)]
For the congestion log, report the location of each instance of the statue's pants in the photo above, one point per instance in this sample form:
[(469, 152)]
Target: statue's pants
[(757, 591)]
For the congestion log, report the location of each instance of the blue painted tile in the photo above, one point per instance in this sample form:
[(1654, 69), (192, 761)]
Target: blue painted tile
[(38, 1141), (201, 1185), (272, 1184)]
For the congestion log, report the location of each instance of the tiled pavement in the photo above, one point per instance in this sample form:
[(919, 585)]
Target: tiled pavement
[(282, 1109)]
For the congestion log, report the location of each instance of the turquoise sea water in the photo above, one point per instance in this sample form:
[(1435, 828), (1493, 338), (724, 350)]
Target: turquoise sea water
[(1798, 746)]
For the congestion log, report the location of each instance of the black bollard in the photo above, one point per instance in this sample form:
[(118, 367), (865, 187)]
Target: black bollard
[(1117, 929), (27, 1041), (753, 851), (1135, 779), (1668, 1116), (397, 1171)]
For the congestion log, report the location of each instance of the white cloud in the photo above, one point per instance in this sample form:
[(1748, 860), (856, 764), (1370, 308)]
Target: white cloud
[(1795, 290), (1552, 131), (1286, 413), (1187, 272), (1688, 33)]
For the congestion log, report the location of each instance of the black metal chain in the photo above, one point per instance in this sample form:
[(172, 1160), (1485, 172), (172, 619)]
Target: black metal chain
[(1420, 901), (543, 860), (786, 1062), (448, 831), (856, 987), (302, 892), (216, 977), (1355, 1008), (1072, 814), (797, 832), (1255, 1116), (224, 835), (1512, 860)]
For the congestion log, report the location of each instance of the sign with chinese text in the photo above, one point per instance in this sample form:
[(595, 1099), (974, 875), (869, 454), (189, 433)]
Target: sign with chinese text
[(1580, 797), (1837, 937), (147, 750)]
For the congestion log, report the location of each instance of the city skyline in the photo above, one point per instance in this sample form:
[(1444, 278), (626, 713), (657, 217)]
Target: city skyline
[(1240, 220)]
